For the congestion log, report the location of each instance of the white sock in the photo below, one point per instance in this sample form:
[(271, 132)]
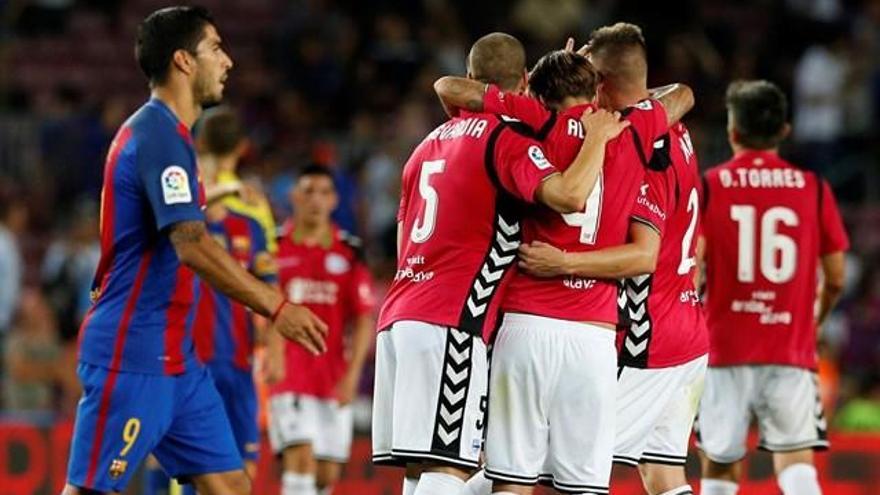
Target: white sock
[(682, 490), (298, 484), (709, 486), (409, 485), (799, 479), (478, 485), (439, 484)]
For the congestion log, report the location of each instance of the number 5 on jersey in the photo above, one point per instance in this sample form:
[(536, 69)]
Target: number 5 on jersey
[(423, 227)]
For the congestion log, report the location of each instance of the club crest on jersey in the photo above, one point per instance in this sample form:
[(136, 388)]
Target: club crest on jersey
[(117, 468), (175, 185), (536, 155), (644, 105), (241, 243), (336, 264)]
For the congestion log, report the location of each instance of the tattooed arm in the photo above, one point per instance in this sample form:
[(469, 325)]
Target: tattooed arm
[(214, 265)]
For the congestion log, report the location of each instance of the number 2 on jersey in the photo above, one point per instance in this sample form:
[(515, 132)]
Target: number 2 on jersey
[(424, 227), (778, 252), (687, 261)]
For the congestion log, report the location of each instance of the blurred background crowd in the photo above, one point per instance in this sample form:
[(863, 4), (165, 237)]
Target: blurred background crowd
[(347, 84)]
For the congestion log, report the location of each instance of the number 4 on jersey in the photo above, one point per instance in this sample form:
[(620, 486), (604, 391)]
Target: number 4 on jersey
[(588, 220)]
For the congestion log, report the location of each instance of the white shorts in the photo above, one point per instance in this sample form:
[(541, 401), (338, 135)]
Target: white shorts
[(784, 400), (551, 404), (429, 399), (297, 419), (655, 412)]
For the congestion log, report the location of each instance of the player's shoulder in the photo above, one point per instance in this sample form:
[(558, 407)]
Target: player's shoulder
[(350, 244), (642, 108)]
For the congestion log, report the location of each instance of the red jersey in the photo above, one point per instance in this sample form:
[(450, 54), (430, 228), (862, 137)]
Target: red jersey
[(331, 280), (766, 224), (667, 326), (461, 195), (605, 219)]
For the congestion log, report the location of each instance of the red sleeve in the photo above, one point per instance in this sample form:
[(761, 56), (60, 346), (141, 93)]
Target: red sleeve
[(832, 234), (520, 164), (647, 122), (651, 203), (529, 110), (362, 298)]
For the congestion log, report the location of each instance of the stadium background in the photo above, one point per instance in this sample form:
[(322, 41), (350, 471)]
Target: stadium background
[(348, 84)]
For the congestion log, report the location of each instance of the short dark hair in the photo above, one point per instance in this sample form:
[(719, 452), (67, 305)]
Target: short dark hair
[(316, 170), (497, 58), (164, 32), (560, 74), (221, 131), (623, 46), (758, 110)]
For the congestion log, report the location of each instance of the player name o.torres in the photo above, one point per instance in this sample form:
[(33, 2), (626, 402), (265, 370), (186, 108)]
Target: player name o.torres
[(775, 178)]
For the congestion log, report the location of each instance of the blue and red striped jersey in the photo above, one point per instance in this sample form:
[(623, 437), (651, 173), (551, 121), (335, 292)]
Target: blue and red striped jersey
[(143, 297), (224, 329)]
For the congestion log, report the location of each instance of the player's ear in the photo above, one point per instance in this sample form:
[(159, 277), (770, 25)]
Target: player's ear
[(183, 61), (784, 133)]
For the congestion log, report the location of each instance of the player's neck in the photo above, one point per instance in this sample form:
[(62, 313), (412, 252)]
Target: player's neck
[(312, 233), (226, 163), (573, 101), (741, 150), (181, 103), (215, 212), (625, 99)]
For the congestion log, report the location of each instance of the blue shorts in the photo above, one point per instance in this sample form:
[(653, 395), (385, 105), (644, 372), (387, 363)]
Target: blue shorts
[(122, 417), (236, 388)]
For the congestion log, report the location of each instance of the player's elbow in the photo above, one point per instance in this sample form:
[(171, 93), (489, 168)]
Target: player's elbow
[(570, 201), (444, 86), (646, 262), (687, 96)]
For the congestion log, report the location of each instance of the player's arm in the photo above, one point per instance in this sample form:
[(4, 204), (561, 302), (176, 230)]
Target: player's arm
[(568, 192), (196, 250), (361, 342), (833, 243), (637, 257), (700, 255), (677, 99), (834, 273), (460, 93)]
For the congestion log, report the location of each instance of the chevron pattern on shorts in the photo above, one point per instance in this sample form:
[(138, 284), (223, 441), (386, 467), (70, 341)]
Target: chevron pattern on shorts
[(453, 392), (500, 257), (633, 303)]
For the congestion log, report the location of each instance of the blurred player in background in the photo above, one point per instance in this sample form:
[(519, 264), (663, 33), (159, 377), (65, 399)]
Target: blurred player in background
[(662, 352), (768, 225), (566, 321), (321, 267), (222, 144), (458, 228), (144, 390)]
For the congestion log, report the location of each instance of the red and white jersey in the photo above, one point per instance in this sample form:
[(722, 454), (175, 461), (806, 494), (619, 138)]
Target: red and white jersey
[(332, 280), (766, 224), (666, 324), (605, 219), (461, 196)]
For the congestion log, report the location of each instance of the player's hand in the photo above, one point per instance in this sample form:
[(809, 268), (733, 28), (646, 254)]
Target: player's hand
[(346, 390), (542, 260), (602, 125), (274, 366), (299, 324), (569, 47)]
